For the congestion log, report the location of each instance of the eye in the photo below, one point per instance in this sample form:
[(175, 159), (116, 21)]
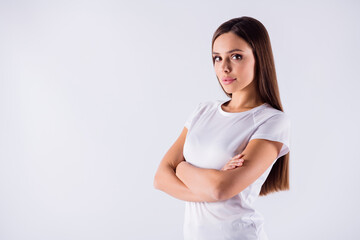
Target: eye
[(237, 56), (216, 57)]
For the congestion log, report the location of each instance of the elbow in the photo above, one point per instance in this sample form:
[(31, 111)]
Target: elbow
[(218, 193), (156, 182), (221, 192)]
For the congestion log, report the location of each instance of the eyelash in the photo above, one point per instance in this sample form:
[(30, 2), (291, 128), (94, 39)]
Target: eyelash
[(232, 56)]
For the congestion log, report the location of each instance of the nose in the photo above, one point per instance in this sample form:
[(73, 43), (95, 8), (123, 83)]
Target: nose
[(226, 66)]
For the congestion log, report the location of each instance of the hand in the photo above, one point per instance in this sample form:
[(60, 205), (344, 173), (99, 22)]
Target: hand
[(179, 164), (235, 162)]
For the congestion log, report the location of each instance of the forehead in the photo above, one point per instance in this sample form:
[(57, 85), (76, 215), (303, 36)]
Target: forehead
[(229, 41)]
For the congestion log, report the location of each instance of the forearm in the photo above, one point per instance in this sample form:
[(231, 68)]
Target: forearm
[(200, 180), (168, 182)]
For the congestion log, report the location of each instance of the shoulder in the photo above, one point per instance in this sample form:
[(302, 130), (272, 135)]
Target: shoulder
[(208, 104), (268, 113)]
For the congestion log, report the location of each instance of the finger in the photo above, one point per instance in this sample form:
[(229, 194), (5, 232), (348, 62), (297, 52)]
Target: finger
[(234, 164), (228, 168), (233, 167), (225, 168), (238, 156), (237, 163), (237, 160)]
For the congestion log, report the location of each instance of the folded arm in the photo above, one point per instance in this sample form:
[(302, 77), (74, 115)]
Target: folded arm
[(200, 180), (258, 155), (166, 180)]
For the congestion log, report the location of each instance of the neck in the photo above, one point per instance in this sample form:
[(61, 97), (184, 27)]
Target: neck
[(247, 98)]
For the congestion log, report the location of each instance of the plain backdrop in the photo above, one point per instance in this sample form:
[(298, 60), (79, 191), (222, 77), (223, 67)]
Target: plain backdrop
[(93, 94)]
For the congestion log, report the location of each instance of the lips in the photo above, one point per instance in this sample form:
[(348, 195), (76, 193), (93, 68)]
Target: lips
[(228, 80)]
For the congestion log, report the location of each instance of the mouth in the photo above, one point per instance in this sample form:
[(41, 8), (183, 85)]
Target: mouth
[(228, 80)]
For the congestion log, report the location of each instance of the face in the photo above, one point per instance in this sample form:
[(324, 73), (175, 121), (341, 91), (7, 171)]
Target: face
[(234, 62)]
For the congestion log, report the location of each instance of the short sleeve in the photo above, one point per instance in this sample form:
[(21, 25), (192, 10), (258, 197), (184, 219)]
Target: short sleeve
[(276, 128), (191, 116)]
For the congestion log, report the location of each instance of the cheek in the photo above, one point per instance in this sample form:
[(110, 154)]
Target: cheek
[(217, 71), (247, 70)]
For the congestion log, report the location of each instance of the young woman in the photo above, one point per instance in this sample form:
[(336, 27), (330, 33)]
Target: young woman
[(230, 152)]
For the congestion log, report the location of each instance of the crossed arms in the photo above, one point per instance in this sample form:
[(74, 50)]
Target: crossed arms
[(184, 181)]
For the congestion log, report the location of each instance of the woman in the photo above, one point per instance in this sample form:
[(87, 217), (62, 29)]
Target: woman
[(230, 152)]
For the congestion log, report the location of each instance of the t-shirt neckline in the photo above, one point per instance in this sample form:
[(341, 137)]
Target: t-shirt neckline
[(221, 111)]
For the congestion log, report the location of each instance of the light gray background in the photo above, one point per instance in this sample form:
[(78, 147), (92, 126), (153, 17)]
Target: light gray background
[(93, 93)]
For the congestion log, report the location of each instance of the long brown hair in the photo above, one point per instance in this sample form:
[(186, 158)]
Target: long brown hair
[(256, 35)]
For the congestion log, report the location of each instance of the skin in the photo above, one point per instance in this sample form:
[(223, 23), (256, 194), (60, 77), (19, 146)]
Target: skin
[(184, 181), (239, 64)]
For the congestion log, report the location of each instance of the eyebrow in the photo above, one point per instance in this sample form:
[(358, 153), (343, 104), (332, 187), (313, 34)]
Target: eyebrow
[(234, 50)]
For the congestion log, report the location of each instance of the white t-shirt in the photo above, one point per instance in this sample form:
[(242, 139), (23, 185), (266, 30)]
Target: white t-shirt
[(214, 137)]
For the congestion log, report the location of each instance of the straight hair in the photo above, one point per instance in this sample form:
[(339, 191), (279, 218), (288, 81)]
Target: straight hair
[(256, 35)]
